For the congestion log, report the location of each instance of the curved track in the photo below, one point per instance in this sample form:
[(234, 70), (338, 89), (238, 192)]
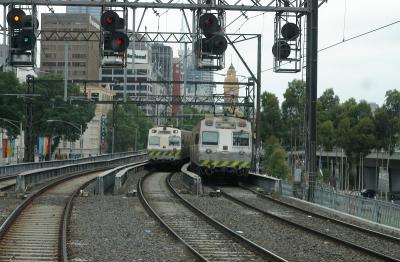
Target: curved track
[(32, 232), (387, 249), (206, 238)]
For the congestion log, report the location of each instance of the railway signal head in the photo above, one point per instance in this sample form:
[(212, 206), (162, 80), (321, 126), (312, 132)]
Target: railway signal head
[(115, 40), (26, 40), (214, 42), (110, 21), (290, 31), (119, 41), (16, 18), (281, 50)]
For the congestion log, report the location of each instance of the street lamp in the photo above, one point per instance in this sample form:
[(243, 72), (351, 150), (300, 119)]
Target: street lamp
[(74, 125), (20, 133)]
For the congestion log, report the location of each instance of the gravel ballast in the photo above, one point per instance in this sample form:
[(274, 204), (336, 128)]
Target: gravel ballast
[(380, 244), (124, 233), (291, 243)]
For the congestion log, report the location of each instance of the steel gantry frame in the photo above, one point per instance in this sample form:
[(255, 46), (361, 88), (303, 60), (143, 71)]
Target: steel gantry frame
[(310, 9)]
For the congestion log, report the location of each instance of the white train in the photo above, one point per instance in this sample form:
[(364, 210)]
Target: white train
[(222, 145), (168, 144)]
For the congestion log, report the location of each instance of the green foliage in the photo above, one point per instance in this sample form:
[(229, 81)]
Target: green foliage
[(326, 135), (275, 163), (271, 123), (11, 106), (129, 118), (50, 105), (293, 112)]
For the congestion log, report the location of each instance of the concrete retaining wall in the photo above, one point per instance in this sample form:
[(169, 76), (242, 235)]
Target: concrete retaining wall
[(267, 183), (192, 180), (28, 179)]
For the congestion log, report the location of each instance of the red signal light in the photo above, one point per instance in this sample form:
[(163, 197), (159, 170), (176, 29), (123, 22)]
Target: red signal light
[(109, 20), (119, 42)]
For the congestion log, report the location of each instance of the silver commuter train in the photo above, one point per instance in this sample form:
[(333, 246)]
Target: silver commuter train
[(168, 144), (222, 145)]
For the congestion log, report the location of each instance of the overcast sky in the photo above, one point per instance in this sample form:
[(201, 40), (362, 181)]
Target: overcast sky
[(364, 68)]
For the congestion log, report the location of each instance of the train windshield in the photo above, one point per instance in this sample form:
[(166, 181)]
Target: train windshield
[(174, 141), (154, 140), (210, 138), (240, 139)]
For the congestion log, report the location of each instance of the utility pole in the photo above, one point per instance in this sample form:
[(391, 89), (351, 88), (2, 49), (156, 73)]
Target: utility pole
[(114, 109), (311, 81), (66, 72), (29, 154)]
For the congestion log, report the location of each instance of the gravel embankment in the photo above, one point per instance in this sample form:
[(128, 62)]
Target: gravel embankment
[(326, 212), (379, 244), (7, 205), (289, 242), (124, 233)]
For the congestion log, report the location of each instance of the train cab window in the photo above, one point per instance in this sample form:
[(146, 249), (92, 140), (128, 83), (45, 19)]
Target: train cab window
[(196, 139), (174, 141), (240, 139), (210, 138), (154, 140)]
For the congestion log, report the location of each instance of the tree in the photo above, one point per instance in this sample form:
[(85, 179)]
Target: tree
[(11, 106), (131, 125), (356, 131), (293, 112), (387, 123), (275, 163), (50, 105), (271, 123)]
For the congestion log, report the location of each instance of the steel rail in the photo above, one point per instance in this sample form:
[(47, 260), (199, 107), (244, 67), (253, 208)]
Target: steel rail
[(152, 212), (315, 232), (341, 222), (11, 219), (255, 247)]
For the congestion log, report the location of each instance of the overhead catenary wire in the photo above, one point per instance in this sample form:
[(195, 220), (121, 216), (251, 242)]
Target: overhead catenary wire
[(347, 40)]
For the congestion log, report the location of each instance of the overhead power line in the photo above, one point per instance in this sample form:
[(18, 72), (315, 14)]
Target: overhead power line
[(346, 40)]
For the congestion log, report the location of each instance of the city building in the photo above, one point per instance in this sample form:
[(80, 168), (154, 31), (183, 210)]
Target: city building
[(177, 72), (192, 74), (231, 91), (92, 142), (83, 56), (143, 71), (161, 57), (94, 11)]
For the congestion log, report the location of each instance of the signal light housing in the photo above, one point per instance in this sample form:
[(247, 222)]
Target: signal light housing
[(214, 44), (26, 40), (281, 50), (16, 18), (114, 40), (111, 21)]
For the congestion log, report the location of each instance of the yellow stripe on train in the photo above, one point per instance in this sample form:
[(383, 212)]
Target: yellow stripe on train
[(224, 163)]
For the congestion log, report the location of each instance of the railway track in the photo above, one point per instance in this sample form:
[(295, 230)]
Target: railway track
[(206, 238), (356, 237), (35, 231)]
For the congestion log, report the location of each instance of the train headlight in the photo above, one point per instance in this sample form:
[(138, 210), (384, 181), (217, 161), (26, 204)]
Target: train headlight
[(208, 151)]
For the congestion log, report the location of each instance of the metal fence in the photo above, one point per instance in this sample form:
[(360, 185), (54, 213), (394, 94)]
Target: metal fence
[(371, 209), (10, 170)]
